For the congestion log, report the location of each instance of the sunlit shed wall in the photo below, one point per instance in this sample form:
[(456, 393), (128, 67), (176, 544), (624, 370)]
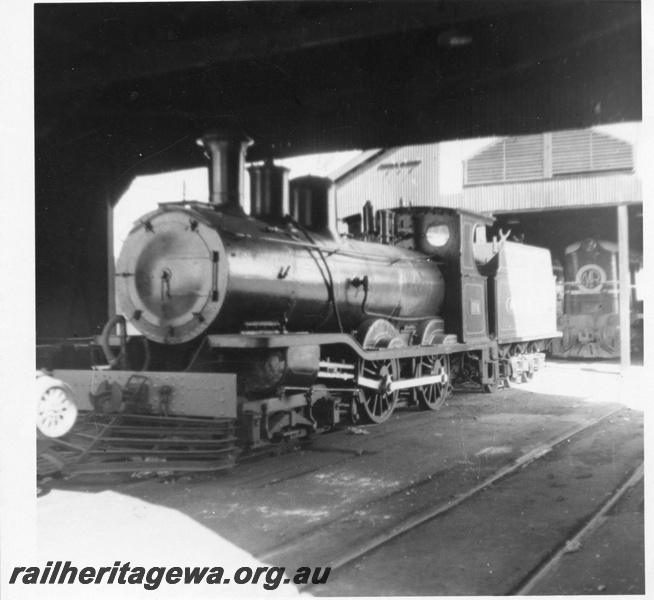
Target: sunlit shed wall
[(551, 170)]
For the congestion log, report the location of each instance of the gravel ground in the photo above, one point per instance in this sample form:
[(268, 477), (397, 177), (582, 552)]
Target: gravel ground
[(345, 483)]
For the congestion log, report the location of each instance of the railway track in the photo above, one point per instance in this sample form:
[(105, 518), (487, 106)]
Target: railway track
[(417, 506), (530, 583), (314, 546)]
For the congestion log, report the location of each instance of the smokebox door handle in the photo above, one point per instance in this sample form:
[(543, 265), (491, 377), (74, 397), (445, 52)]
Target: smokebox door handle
[(214, 277)]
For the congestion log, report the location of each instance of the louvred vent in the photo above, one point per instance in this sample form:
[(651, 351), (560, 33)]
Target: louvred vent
[(538, 157)]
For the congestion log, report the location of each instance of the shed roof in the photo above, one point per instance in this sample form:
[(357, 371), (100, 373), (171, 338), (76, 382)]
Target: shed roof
[(356, 163)]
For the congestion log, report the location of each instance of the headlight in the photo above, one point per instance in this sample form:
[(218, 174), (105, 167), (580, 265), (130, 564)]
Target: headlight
[(438, 235)]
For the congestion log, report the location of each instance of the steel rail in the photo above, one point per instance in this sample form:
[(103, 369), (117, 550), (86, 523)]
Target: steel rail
[(416, 520), (532, 579)]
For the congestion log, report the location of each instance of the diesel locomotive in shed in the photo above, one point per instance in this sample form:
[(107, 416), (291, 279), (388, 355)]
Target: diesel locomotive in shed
[(275, 323), (589, 316)]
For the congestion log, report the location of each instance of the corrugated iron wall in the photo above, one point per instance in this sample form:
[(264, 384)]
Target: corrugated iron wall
[(527, 196), (406, 176), (537, 172), (555, 193)]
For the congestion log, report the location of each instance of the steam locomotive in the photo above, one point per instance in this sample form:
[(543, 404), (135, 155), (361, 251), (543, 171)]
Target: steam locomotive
[(279, 324), (588, 314)]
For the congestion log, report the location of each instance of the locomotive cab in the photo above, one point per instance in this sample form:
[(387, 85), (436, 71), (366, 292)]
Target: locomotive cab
[(447, 235)]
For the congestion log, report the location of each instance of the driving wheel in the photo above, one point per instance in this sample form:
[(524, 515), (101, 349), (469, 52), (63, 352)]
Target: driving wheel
[(378, 405), (431, 397)]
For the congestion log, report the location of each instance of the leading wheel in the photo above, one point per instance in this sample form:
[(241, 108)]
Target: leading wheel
[(431, 397), (378, 405)]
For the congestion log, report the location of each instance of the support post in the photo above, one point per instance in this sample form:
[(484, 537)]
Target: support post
[(111, 263), (625, 288)]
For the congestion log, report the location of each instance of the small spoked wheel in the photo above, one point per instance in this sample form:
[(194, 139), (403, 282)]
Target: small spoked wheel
[(378, 405), (55, 413), (432, 397)]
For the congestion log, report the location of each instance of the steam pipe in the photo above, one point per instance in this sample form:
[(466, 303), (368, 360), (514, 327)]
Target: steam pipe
[(367, 225)]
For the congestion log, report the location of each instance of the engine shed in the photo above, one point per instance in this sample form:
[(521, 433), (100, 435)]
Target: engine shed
[(127, 89), (552, 190), (123, 90)]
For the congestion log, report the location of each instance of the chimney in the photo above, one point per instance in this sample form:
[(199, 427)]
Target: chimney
[(227, 169)]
